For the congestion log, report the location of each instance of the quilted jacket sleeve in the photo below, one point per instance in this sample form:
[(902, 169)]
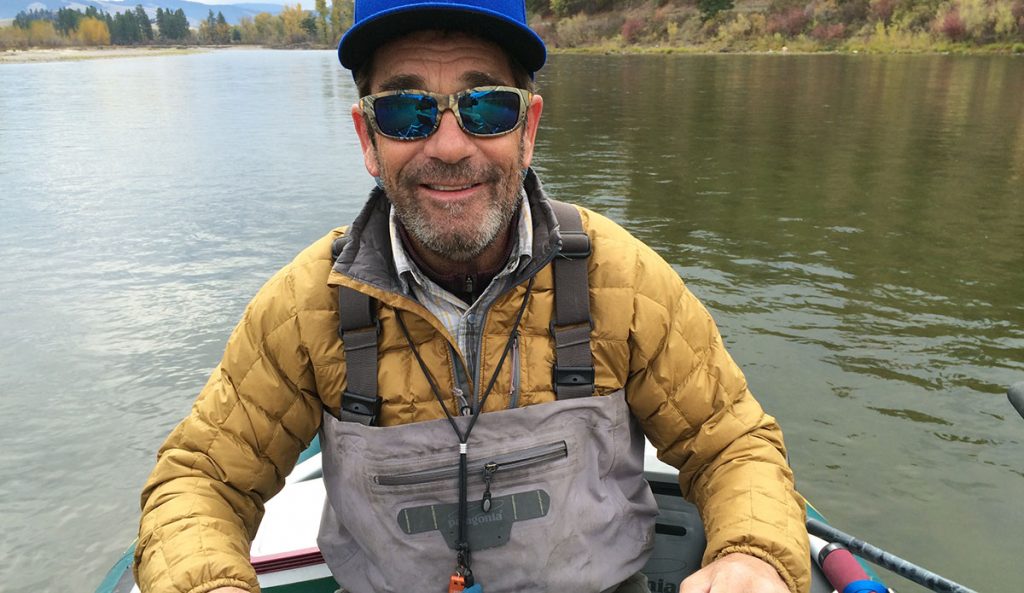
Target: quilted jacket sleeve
[(693, 403), (204, 500)]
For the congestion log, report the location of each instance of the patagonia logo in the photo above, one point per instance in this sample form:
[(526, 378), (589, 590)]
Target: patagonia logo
[(486, 529), (661, 586)]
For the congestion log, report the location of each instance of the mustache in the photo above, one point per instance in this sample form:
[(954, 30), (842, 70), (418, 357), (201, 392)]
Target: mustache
[(434, 171)]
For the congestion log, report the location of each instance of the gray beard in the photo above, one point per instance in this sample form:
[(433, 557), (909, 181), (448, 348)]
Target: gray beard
[(457, 247), (440, 238)]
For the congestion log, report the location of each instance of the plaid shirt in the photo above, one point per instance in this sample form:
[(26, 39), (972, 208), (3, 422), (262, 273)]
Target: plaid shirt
[(449, 309)]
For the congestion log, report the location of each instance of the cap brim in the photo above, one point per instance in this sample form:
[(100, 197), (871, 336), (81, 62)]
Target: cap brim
[(359, 42)]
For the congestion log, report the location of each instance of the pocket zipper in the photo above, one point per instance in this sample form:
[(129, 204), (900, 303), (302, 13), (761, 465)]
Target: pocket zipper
[(509, 461)]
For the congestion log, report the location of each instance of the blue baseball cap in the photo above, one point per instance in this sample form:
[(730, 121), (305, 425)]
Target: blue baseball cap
[(376, 22)]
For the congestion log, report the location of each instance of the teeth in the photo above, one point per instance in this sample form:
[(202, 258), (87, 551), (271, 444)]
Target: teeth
[(449, 187)]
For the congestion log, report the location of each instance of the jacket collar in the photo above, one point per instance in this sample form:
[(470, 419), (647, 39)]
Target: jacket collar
[(367, 256)]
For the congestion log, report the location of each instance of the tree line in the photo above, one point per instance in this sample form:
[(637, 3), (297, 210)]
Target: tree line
[(708, 25), (92, 27), (767, 25)]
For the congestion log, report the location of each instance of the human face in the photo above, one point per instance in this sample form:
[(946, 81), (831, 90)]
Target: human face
[(454, 193)]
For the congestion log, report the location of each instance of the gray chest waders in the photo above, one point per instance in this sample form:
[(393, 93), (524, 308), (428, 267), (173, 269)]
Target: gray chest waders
[(543, 498)]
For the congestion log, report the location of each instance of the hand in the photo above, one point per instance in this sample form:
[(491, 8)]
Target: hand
[(735, 573)]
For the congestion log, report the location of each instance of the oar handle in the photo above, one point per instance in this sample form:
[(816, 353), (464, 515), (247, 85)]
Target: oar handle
[(844, 573), (906, 569)]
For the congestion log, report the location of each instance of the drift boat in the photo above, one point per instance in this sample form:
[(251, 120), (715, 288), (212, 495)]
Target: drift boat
[(287, 560)]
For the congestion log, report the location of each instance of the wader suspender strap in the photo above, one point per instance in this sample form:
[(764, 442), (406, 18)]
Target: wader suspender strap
[(573, 374), (358, 328)]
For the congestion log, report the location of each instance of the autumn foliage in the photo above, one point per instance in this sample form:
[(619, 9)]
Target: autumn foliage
[(723, 25), (293, 26), (710, 25)]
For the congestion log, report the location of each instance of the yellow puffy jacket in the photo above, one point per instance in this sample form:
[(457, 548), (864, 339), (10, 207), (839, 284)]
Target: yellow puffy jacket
[(284, 362)]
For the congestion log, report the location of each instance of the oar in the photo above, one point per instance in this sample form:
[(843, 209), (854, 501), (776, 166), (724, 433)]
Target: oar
[(841, 569), (906, 569), (1016, 396)]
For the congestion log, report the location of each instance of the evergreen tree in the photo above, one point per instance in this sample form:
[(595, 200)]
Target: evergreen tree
[(110, 26), (67, 20), (144, 24), (179, 25), (215, 29), (23, 20), (161, 23), (172, 26), (223, 29), (131, 27), (309, 25), (538, 6), (709, 8), (118, 29)]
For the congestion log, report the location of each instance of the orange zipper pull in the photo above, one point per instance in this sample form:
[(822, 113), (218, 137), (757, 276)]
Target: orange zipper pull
[(456, 583)]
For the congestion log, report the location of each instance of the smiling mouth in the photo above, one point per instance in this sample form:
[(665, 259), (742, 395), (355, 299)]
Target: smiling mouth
[(439, 187)]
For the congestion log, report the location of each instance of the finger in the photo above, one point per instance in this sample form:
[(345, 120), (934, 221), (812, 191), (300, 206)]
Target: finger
[(698, 582)]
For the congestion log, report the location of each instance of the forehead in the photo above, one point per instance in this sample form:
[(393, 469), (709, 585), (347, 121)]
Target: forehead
[(440, 61)]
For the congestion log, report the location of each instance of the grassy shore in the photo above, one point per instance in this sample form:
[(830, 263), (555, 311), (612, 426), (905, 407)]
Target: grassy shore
[(66, 54)]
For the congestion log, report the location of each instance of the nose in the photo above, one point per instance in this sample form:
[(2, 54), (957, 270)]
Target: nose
[(449, 143)]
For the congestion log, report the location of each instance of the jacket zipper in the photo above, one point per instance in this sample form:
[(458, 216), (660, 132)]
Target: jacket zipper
[(464, 408), (509, 461), (513, 393), (533, 268)]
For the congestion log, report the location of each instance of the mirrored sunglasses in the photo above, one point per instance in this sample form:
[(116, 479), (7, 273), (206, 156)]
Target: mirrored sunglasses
[(412, 114)]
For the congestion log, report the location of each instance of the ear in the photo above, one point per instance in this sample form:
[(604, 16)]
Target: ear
[(533, 112), (365, 141)]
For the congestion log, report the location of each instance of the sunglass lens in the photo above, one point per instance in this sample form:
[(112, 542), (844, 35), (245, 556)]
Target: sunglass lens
[(406, 115), (489, 112)]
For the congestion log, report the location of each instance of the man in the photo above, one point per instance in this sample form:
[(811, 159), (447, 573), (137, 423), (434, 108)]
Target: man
[(450, 269)]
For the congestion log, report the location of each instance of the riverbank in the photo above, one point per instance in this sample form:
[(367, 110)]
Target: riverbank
[(793, 47), (70, 54), (804, 46)]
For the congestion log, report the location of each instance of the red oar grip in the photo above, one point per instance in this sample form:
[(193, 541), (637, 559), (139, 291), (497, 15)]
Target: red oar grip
[(840, 567)]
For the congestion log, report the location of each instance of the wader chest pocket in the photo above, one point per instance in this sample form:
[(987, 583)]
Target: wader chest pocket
[(491, 515)]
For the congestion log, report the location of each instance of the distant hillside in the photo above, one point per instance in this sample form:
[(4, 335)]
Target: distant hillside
[(195, 11), (881, 26)]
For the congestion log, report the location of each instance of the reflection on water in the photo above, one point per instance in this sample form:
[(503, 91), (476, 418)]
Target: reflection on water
[(912, 415), (852, 222), (876, 203)]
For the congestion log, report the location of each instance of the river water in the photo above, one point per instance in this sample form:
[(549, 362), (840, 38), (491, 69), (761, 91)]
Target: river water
[(854, 223)]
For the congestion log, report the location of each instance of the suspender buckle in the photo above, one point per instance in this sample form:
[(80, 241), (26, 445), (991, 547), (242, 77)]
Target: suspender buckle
[(575, 245), (573, 376), (360, 408)]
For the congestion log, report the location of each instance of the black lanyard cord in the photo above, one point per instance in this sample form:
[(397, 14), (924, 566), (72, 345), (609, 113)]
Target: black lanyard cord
[(513, 336), (426, 373), (462, 544)]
